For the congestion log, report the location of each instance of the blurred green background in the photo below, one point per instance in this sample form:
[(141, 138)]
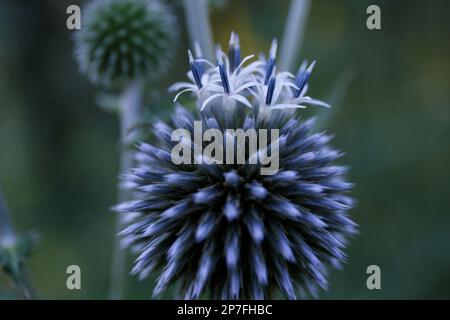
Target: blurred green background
[(390, 90)]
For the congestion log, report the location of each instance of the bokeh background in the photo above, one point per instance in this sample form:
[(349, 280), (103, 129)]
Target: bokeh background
[(390, 91)]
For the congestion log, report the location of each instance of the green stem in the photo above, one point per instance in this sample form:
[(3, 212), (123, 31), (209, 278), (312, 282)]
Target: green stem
[(7, 233), (335, 98), (197, 19), (23, 286), (130, 110), (294, 32)]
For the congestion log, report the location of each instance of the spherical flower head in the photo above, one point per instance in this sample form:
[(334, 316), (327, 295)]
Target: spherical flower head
[(121, 40), (226, 230)]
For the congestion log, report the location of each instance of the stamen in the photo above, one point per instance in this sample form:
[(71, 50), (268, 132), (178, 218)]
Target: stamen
[(231, 52), (270, 90), (234, 53), (237, 55), (272, 60), (222, 71), (194, 69), (224, 78), (302, 78)]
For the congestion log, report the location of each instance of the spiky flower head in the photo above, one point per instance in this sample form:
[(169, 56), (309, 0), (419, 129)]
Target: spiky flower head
[(226, 230), (122, 40)]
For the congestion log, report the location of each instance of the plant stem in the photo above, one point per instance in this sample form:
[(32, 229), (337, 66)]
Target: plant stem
[(24, 287), (129, 113), (294, 32), (335, 98), (197, 19), (7, 233)]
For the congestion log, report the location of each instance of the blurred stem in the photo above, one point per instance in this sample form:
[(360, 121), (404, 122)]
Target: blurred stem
[(294, 32), (7, 233), (24, 287), (335, 99), (8, 243), (129, 113), (197, 19)]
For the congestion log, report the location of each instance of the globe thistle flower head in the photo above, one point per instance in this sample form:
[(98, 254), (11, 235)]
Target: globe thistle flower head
[(225, 230), (121, 40)]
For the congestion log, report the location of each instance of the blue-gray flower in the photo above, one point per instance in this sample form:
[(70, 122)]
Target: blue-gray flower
[(225, 231)]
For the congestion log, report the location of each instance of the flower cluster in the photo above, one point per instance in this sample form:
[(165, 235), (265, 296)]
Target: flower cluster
[(256, 84), (225, 231)]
